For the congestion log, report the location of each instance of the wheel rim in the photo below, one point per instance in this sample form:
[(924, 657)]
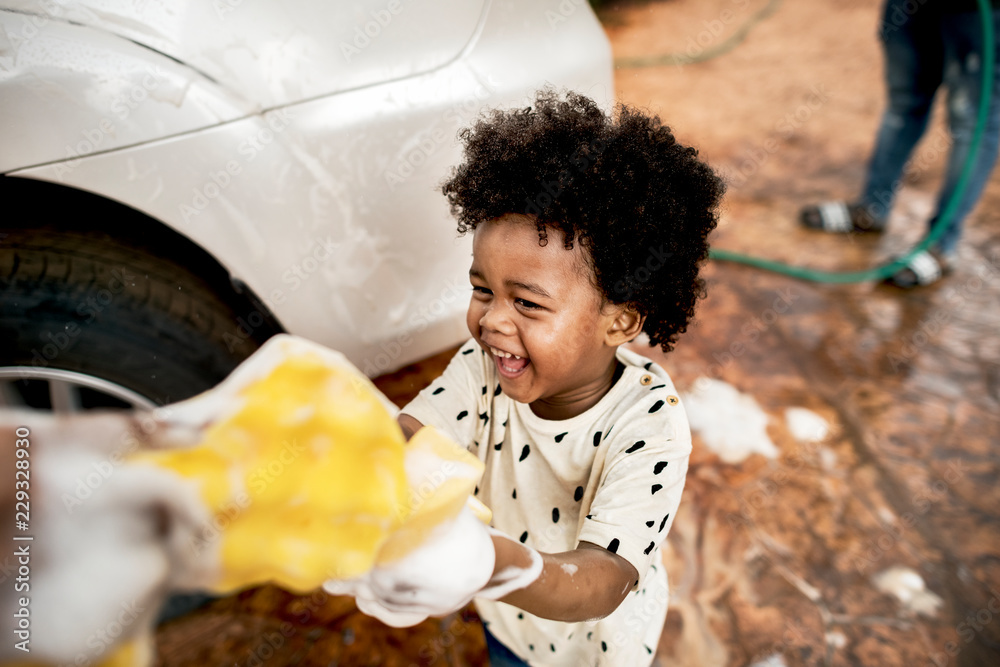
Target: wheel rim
[(66, 391)]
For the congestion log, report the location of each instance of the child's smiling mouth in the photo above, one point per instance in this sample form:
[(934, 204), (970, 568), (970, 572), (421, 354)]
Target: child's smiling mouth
[(509, 365)]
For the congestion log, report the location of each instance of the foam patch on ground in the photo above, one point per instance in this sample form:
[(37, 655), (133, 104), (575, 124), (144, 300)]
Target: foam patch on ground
[(805, 425), (730, 423), (908, 587)]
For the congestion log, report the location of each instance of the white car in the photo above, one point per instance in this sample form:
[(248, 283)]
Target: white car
[(182, 179)]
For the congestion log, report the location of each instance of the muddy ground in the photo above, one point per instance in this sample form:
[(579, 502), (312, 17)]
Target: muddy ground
[(774, 560)]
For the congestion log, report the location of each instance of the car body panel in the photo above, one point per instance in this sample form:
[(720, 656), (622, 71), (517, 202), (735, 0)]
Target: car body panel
[(330, 209), (278, 53)]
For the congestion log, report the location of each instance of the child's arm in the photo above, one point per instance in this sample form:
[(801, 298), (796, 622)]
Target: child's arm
[(585, 584), (408, 424)]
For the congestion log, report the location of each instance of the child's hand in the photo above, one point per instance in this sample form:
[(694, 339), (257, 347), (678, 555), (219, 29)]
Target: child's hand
[(439, 577)]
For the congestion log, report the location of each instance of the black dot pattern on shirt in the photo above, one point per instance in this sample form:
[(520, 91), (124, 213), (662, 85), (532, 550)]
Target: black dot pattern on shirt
[(590, 635), (484, 390), (520, 615), (636, 447), (648, 650), (658, 468), (664, 522), (597, 439), (656, 406), (656, 487), (578, 494), (648, 366), (496, 392), (524, 537), (553, 647), (524, 453), (649, 548), (485, 417), (561, 436), (438, 390), (514, 495), (604, 646), (613, 547), (555, 515), (649, 524), (476, 492), (497, 446), (462, 415), (659, 386), (470, 351)]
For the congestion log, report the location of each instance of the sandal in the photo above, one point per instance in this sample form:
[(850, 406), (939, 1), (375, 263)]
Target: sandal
[(837, 217), (924, 268)]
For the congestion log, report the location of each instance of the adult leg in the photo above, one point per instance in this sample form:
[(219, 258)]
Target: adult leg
[(911, 41), (963, 71)]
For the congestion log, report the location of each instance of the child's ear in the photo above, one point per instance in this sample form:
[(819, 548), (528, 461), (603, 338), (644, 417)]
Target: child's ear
[(626, 326)]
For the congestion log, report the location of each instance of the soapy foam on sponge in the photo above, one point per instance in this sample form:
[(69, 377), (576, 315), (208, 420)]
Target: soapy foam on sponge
[(308, 473)]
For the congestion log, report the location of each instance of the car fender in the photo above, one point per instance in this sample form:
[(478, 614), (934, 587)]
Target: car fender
[(87, 91)]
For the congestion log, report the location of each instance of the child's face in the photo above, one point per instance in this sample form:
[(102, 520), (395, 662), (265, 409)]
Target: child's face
[(538, 303)]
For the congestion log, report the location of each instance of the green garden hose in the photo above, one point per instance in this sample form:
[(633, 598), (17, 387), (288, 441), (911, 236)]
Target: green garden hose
[(885, 270)]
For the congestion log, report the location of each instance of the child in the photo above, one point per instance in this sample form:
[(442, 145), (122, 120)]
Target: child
[(588, 230)]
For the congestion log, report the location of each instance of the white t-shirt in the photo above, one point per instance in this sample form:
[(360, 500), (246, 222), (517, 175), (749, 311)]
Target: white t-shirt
[(612, 475)]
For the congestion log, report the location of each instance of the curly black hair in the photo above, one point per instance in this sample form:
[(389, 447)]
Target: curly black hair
[(641, 204)]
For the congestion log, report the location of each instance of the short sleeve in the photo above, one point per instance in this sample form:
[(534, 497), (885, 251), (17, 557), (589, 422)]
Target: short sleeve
[(454, 401), (639, 494)]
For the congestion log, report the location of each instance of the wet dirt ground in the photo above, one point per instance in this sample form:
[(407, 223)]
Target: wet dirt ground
[(870, 535)]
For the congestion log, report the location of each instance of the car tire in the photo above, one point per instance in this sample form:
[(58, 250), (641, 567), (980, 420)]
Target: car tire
[(82, 304)]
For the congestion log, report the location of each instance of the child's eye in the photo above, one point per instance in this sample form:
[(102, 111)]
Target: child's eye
[(481, 290), (524, 303)]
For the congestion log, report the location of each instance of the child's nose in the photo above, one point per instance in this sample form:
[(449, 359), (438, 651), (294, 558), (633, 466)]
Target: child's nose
[(496, 317)]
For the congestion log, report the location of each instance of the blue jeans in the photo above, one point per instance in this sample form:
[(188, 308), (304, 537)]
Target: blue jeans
[(500, 655), (925, 49)]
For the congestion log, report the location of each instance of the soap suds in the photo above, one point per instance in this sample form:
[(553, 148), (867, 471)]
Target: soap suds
[(730, 423), (805, 425), (773, 660), (569, 568), (908, 587)]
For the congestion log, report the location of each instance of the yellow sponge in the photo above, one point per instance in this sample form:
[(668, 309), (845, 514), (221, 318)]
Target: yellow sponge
[(308, 474)]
